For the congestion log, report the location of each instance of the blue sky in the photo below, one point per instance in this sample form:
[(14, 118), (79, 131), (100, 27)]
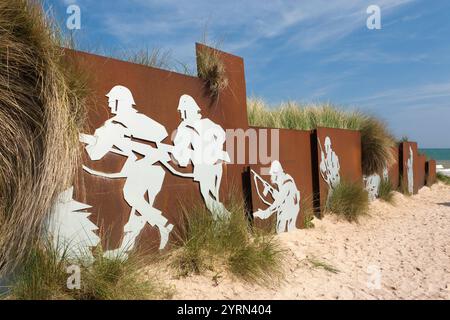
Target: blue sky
[(305, 50)]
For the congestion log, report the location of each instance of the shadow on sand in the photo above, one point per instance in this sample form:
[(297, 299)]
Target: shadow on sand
[(445, 204)]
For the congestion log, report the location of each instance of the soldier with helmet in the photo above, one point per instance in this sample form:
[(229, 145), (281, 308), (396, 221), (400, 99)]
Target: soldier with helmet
[(200, 141), (143, 176), (330, 167)]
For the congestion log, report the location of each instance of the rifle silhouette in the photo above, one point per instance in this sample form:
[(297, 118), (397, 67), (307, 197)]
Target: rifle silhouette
[(267, 187), (163, 149)]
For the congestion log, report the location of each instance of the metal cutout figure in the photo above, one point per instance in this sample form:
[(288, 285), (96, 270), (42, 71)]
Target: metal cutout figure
[(286, 196)]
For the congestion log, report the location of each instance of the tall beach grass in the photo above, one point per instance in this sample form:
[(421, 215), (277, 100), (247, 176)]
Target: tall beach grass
[(41, 111), (227, 245), (376, 140)]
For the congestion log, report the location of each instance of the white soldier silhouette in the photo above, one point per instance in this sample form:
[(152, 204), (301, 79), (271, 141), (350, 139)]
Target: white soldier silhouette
[(373, 186), (329, 166), (286, 197), (373, 183), (410, 167), (143, 176), (200, 141)]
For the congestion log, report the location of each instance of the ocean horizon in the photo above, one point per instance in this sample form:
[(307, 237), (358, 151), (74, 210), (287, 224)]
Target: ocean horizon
[(437, 154)]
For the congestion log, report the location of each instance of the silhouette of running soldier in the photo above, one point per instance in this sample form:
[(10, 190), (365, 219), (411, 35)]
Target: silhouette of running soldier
[(286, 197), (200, 142), (142, 176), (329, 166)]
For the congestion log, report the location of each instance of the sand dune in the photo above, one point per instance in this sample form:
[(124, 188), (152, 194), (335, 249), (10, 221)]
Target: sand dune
[(408, 244)]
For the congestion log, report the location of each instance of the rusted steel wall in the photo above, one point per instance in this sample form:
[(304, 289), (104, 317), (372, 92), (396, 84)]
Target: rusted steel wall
[(394, 169), (431, 172), (405, 156), (347, 146), (421, 174), (294, 154), (156, 93)]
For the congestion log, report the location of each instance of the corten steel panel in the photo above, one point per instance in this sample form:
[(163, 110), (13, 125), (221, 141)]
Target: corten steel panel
[(431, 172), (156, 93), (394, 169), (347, 145), (404, 159), (421, 175), (295, 157)]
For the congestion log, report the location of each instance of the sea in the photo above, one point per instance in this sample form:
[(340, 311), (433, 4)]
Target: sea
[(442, 156)]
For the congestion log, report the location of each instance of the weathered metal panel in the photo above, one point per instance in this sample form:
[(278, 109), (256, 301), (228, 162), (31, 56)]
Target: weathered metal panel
[(431, 172), (156, 93), (346, 145), (421, 173)]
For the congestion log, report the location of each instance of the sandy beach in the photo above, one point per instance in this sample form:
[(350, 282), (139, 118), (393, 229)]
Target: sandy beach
[(397, 252)]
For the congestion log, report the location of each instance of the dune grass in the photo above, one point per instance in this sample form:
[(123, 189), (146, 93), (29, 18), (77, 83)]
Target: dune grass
[(210, 67), (386, 191), (376, 140), (227, 245), (348, 200), (443, 178), (41, 111), (44, 276)]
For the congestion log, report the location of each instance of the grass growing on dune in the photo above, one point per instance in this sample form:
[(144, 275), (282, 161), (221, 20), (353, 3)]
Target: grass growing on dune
[(376, 140), (443, 178), (41, 111), (44, 276), (349, 200), (227, 245)]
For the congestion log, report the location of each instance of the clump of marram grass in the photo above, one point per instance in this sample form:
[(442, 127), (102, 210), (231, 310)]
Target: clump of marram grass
[(227, 245), (376, 140), (40, 113), (44, 276), (443, 178), (349, 200), (211, 70), (386, 191)]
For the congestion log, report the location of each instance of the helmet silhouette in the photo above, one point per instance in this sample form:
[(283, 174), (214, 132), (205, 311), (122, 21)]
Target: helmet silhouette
[(328, 142), (276, 168), (187, 103), (122, 95)]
